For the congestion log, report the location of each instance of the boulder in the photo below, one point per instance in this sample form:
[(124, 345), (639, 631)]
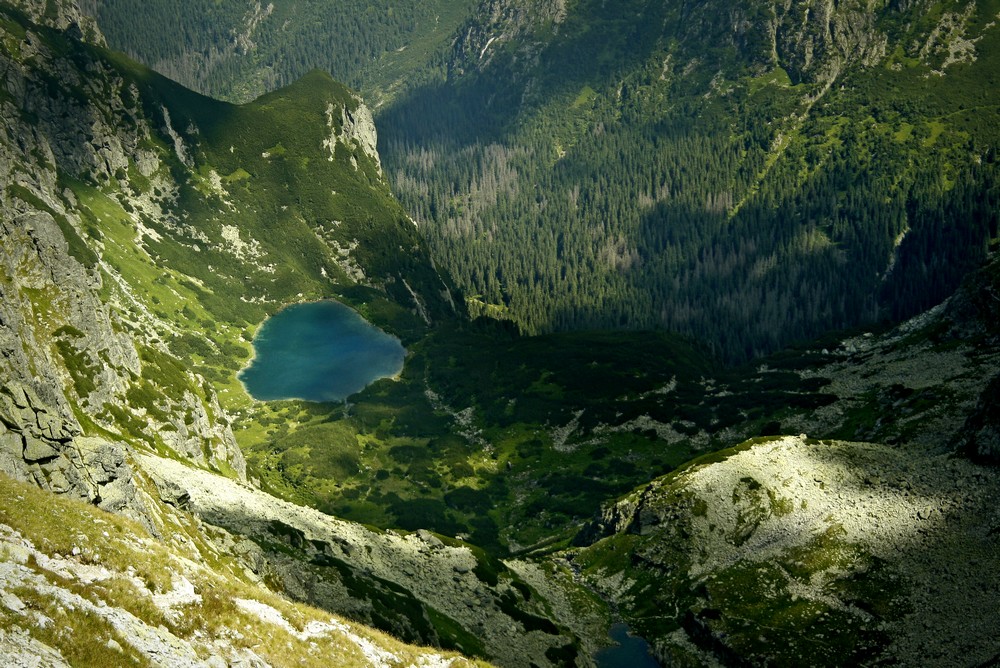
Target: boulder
[(38, 450)]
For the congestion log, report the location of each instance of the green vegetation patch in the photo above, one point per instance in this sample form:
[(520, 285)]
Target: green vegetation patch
[(82, 368), (765, 612)]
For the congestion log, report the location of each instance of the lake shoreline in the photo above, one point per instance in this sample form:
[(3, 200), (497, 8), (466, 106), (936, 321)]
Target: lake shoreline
[(348, 354)]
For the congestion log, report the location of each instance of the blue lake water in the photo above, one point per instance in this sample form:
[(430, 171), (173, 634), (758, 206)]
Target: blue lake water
[(630, 652), (319, 351)]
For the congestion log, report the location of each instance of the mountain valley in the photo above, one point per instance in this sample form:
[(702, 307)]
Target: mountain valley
[(739, 391)]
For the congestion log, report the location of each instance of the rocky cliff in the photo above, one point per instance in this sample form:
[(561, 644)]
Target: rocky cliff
[(814, 42), (64, 15), (71, 359)]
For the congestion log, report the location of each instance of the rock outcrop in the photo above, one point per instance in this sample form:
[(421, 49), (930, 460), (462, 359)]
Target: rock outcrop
[(64, 15), (401, 582), (503, 24), (816, 42), (40, 446), (358, 128), (786, 545)]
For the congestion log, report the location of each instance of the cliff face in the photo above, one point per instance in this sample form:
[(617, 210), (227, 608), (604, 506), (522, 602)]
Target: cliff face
[(813, 42), (69, 358)]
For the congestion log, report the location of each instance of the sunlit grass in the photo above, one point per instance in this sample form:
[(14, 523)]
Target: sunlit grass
[(137, 567)]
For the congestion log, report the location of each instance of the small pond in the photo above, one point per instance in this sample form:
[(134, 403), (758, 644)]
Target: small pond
[(630, 652), (319, 351)]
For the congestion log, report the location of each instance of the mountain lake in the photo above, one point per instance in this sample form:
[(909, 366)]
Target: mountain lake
[(629, 652), (319, 351)]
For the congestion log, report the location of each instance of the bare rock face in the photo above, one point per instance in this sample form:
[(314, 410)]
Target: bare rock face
[(359, 127), (64, 15), (502, 22), (815, 42), (38, 445)]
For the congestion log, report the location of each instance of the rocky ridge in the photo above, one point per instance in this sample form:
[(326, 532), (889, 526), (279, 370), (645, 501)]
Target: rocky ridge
[(64, 15), (320, 559), (81, 587)]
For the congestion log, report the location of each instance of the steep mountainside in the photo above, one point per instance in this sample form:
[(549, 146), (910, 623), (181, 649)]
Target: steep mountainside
[(146, 231), (747, 173), (495, 497), (236, 50), (794, 551)]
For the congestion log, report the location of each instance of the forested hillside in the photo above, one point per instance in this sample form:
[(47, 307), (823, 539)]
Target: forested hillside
[(747, 175), (238, 50)]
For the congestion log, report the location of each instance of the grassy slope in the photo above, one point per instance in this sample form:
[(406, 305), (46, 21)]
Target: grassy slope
[(280, 186), (163, 235), (113, 565)]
